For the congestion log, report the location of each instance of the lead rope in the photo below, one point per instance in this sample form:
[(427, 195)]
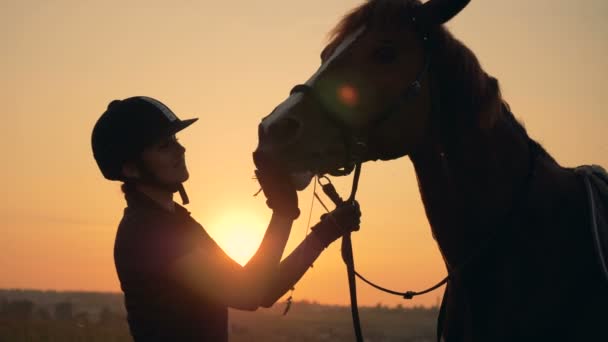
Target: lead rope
[(347, 250), (348, 258)]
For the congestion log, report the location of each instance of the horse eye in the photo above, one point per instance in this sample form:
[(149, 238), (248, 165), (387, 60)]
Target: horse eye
[(385, 54)]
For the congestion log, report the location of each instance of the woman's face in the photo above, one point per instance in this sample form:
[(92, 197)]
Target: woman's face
[(165, 161)]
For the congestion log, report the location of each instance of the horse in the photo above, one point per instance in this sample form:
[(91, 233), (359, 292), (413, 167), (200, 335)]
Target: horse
[(512, 224)]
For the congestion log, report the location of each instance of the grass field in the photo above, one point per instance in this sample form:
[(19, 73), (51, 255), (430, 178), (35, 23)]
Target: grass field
[(35, 316)]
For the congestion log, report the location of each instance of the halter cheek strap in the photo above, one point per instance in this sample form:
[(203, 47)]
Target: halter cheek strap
[(408, 94)]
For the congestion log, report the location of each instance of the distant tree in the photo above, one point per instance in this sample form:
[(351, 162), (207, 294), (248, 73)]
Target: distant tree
[(3, 304), (19, 309), (63, 311), (107, 316), (419, 308), (381, 307), (43, 313), (82, 318)]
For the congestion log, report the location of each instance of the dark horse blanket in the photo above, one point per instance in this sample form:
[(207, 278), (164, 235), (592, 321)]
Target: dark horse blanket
[(596, 183)]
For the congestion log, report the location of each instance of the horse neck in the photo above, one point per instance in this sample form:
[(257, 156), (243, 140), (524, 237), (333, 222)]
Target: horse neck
[(470, 185)]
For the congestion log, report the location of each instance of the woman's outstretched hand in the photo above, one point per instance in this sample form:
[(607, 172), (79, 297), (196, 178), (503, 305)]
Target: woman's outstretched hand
[(281, 194), (344, 219)]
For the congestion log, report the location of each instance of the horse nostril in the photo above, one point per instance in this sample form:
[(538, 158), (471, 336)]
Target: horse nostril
[(283, 131)]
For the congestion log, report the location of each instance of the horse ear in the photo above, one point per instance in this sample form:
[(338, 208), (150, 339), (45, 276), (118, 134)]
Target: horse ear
[(437, 12)]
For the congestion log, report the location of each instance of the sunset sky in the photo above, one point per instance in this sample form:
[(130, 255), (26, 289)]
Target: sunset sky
[(230, 63)]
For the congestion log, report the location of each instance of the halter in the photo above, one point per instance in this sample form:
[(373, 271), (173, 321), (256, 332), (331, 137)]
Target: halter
[(353, 145)]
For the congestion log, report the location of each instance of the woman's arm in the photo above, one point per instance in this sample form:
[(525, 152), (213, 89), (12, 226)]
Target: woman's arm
[(209, 273), (291, 269), (344, 219)]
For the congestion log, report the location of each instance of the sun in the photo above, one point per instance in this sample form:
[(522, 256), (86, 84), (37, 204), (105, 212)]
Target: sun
[(239, 236)]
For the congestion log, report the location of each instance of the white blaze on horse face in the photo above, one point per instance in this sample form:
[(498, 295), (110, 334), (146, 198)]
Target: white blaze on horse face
[(286, 106), (348, 41)]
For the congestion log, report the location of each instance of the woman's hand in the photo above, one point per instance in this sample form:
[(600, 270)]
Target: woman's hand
[(281, 194), (344, 219)]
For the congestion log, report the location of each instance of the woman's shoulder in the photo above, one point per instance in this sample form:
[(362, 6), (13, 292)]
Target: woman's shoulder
[(151, 239)]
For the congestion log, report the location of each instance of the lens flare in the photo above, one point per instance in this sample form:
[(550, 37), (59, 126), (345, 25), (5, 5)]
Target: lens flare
[(348, 95)]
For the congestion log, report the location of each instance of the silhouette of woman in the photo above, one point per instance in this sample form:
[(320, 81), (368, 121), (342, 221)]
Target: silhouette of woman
[(177, 282)]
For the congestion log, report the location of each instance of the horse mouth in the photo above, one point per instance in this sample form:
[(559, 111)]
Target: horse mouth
[(303, 167), (302, 179)]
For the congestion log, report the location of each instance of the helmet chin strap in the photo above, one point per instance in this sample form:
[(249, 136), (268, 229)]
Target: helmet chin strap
[(183, 194), (173, 188), (149, 178)]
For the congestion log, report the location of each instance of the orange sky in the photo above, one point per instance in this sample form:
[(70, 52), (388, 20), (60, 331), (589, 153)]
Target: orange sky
[(230, 63)]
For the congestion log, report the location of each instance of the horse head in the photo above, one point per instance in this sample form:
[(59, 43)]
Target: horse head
[(371, 97)]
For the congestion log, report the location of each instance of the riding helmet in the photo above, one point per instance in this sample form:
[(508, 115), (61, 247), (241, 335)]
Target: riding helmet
[(127, 127)]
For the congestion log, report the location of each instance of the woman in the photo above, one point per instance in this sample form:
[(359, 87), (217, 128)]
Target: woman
[(178, 283)]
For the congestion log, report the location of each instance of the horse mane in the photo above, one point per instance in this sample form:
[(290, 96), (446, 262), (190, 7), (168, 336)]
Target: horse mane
[(473, 96), (377, 13)]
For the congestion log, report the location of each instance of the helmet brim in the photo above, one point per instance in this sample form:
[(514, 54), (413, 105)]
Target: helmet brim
[(177, 126)]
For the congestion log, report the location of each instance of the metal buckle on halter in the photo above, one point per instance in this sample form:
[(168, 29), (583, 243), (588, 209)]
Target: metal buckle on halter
[(343, 171)]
